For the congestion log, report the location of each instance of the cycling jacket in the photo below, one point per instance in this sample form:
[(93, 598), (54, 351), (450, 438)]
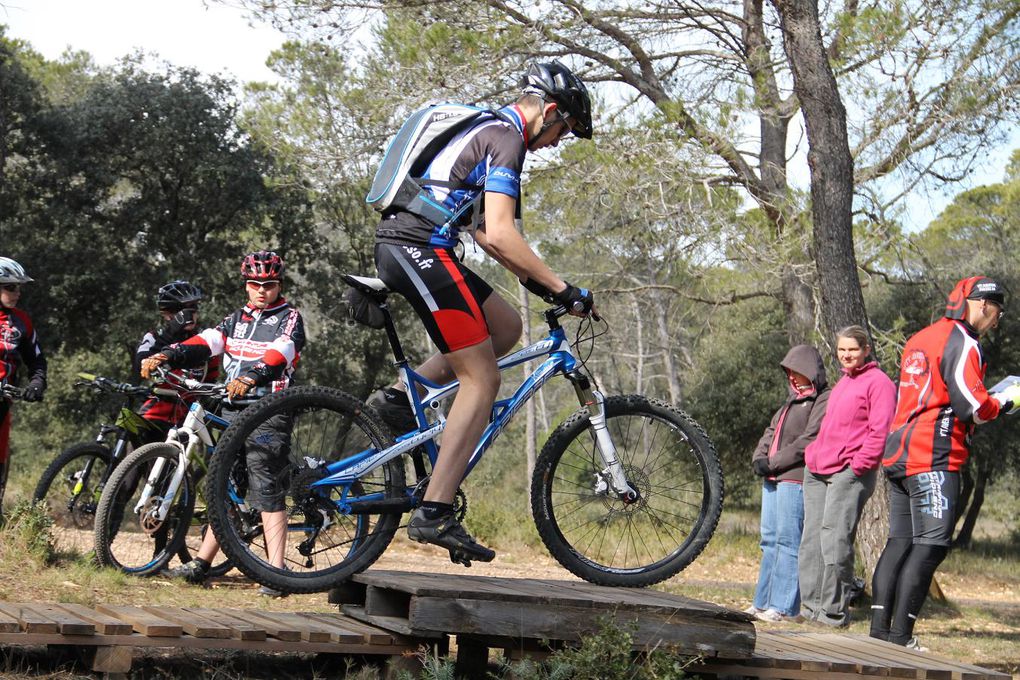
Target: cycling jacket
[(261, 344), (168, 409), (941, 398), (18, 341), (488, 156)]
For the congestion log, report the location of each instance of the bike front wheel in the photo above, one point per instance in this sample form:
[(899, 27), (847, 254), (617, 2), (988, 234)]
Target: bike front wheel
[(69, 488), (666, 457), (129, 534), (331, 531)]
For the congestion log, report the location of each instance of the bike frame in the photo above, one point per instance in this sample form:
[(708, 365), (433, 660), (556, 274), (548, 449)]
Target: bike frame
[(560, 361)]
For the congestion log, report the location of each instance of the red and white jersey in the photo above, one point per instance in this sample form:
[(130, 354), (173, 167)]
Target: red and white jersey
[(941, 398), (253, 338), (19, 343)]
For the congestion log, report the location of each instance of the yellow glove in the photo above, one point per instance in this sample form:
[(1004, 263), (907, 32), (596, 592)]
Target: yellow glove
[(238, 387), (150, 363), (1009, 398)]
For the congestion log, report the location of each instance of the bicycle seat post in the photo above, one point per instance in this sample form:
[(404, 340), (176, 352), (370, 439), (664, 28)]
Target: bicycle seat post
[(391, 333)]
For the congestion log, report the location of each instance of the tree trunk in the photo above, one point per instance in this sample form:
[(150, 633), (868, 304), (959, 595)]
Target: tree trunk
[(832, 174), (830, 164), (799, 308), (668, 362)]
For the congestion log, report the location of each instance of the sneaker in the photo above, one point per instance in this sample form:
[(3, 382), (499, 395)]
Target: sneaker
[(195, 571), (447, 532), (753, 611), (394, 409), (266, 591), (913, 644)]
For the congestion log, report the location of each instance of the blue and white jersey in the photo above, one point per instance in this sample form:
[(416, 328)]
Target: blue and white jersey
[(488, 156)]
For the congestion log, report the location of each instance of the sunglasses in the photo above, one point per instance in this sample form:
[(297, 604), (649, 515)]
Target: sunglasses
[(11, 287), (263, 285)]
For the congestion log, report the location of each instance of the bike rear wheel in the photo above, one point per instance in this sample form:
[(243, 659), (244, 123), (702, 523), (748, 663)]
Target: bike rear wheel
[(666, 457), (70, 487), (326, 544), (136, 542)]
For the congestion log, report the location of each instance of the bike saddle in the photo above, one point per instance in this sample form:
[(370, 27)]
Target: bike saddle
[(372, 287)]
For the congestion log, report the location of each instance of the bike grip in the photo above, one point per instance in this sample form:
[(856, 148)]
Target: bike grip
[(87, 376), (164, 392)]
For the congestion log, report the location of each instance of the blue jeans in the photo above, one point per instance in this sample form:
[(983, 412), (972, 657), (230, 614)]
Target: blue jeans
[(782, 520)]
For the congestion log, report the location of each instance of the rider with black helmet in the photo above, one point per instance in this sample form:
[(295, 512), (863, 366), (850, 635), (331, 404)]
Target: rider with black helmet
[(177, 302), (470, 323)]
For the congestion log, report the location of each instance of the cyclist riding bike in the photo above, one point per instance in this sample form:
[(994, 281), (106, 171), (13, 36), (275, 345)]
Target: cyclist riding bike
[(260, 344), (18, 343), (470, 323), (177, 302)]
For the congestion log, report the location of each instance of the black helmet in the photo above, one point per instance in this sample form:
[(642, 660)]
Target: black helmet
[(177, 295), (553, 80)]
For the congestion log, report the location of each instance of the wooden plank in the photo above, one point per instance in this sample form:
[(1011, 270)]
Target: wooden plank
[(192, 623), (835, 659), (337, 631), (775, 644), (934, 666), (9, 622), (143, 622), (569, 623), (394, 623), (901, 662), (310, 631), (234, 621), (67, 623), (29, 620), (274, 628), (373, 635), (105, 625), (112, 659)]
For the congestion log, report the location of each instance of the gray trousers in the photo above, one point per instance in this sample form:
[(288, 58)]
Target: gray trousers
[(832, 508)]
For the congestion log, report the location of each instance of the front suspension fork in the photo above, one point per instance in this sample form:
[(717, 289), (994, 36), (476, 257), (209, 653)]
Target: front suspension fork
[(612, 474)]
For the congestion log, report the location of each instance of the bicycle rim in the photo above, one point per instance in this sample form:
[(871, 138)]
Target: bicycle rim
[(131, 538), (70, 488), (666, 456), (324, 545)]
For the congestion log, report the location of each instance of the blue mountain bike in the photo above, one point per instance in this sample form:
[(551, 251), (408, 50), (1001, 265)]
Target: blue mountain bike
[(626, 492)]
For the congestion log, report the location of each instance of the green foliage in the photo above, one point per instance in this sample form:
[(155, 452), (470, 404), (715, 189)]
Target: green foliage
[(26, 538)]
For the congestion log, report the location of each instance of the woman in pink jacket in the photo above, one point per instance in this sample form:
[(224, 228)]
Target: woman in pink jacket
[(841, 469)]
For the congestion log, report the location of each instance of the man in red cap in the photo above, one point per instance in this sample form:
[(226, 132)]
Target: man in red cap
[(941, 398)]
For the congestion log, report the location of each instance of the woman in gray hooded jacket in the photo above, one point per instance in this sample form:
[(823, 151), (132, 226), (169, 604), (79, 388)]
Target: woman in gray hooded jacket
[(779, 460)]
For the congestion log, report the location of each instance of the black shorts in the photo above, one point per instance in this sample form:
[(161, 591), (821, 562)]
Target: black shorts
[(446, 295), (923, 507), (267, 455)]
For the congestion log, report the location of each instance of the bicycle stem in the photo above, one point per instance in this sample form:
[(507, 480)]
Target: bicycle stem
[(596, 404)]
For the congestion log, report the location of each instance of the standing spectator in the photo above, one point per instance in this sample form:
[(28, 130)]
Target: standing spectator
[(17, 342), (941, 398), (842, 464), (261, 343), (779, 459)]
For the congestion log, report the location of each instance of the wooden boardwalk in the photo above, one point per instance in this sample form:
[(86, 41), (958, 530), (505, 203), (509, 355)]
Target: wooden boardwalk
[(392, 614)]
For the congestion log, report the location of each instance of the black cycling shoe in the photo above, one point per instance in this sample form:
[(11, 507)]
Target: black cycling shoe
[(196, 571), (447, 531), (395, 410), (266, 591)]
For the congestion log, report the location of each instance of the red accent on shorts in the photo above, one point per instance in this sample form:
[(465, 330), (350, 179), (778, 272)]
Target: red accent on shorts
[(460, 329)]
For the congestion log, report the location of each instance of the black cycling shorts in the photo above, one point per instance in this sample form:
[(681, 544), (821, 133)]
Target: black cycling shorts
[(446, 295), (267, 455), (923, 507)]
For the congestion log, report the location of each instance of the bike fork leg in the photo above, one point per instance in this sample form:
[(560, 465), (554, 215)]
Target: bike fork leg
[(612, 473)]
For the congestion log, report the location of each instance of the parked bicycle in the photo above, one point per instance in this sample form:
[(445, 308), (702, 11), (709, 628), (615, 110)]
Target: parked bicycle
[(153, 507), (627, 491), (72, 483)]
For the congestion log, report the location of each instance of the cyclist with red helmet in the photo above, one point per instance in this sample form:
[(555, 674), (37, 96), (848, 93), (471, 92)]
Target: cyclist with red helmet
[(18, 344), (177, 302), (470, 323), (260, 344)]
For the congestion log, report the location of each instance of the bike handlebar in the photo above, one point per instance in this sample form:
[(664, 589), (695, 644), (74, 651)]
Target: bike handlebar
[(215, 390), (108, 385)]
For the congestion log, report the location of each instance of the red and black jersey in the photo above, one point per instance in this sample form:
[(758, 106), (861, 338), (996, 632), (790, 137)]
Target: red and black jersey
[(18, 342), (941, 398), (263, 344), (165, 409)]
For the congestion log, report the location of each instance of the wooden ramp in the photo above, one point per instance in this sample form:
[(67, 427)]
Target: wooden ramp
[(112, 632)]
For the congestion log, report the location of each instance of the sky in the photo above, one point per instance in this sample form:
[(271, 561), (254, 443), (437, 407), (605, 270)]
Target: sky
[(213, 39)]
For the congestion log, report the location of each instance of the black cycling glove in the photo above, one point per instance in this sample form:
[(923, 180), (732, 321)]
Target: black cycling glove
[(578, 300), (761, 467), (34, 390)]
